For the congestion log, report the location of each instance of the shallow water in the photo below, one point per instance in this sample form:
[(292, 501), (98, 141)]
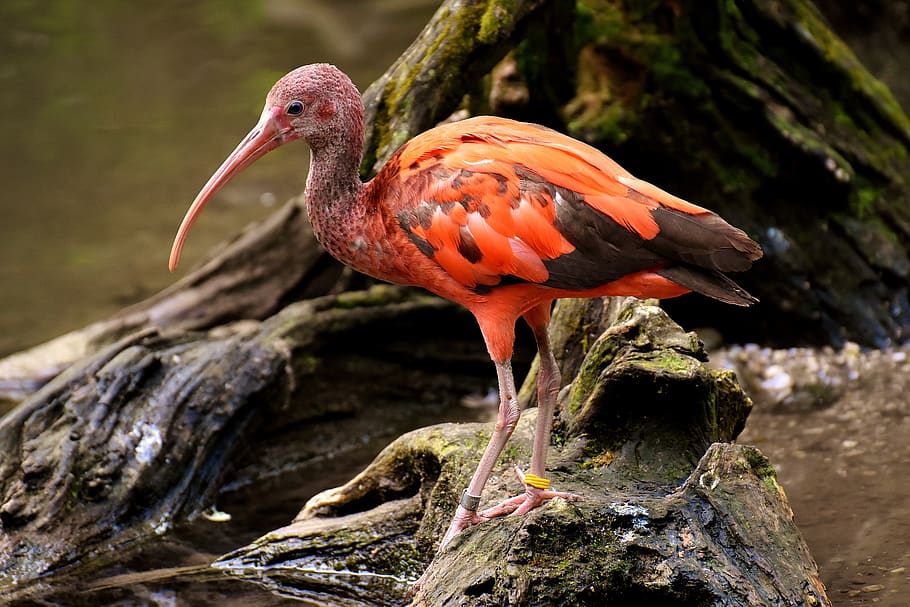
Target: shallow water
[(113, 115), (841, 451)]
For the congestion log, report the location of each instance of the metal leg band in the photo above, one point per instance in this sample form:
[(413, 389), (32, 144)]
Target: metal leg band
[(469, 502)]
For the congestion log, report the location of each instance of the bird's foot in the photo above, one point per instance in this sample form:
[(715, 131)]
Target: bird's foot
[(535, 495), (465, 516)]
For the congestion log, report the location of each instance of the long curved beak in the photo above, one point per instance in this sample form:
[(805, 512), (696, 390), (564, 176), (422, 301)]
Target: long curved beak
[(268, 134)]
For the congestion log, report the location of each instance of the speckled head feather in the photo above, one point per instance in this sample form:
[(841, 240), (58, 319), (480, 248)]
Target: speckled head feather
[(331, 103)]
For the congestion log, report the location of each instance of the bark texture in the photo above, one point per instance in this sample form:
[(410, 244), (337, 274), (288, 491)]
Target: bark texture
[(671, 512), (757, 110), (140, 436)]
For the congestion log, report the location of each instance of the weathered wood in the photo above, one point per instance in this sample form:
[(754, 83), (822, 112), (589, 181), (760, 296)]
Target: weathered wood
[(755, 109), (250, 277), (671, 512), (116, 449)]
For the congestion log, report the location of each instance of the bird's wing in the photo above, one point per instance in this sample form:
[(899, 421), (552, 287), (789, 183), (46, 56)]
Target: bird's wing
[(481, 224), (489, 198)]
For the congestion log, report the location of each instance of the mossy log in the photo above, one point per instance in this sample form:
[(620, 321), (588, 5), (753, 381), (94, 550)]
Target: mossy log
[(671, 512), (450, 58), (755, 109), (116, 449)]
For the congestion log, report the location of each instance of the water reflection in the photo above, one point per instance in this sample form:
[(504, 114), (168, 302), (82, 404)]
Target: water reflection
[(113, 114)]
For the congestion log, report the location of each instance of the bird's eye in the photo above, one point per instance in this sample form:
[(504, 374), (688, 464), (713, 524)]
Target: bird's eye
[(295, 108)]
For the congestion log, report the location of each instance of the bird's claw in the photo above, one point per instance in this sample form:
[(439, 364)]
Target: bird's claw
[(520, 504), (463, 519), (525, 502)]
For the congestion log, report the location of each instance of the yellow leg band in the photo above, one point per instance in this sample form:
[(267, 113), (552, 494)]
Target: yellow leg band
[(536, 481)]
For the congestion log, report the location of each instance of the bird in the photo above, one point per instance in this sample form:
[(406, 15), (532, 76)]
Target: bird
[(500, 216)]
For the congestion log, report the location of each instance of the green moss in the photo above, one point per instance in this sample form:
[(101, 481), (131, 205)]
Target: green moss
[(598, 21), (492, 19), (76, 494), (670, 72), (762, 468), (666, 361), (512, 453), (377, 295), (306, 364), (816, 32), (642, 66), (709, 407), (597, 359), (458, 37), (863, 199), (610, 125), (808, 140)]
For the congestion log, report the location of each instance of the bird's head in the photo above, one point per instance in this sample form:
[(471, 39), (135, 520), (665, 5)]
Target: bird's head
[(308, 103)]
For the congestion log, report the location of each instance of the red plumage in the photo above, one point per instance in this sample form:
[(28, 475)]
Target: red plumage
[(499, 216)]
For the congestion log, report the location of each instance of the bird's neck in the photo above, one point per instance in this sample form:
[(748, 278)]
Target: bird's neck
[(334, 189), (333, 182)]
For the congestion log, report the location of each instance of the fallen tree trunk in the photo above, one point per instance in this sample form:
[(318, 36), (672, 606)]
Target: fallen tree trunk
[(141, 436), (671, 512)]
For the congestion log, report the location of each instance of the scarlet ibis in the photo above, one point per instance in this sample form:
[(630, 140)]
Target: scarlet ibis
[(502, 217)]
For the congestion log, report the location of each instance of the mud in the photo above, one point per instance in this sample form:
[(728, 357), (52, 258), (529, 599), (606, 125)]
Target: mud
[(836, 425)]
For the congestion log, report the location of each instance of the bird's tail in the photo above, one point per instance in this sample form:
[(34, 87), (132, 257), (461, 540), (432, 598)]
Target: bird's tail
[(710, 283)]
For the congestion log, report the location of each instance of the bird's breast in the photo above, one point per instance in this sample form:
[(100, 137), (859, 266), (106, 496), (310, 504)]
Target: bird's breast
[(368, 248)]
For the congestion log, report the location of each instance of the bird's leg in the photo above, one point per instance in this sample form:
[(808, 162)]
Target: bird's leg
[(537, 486), (466, 513)]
